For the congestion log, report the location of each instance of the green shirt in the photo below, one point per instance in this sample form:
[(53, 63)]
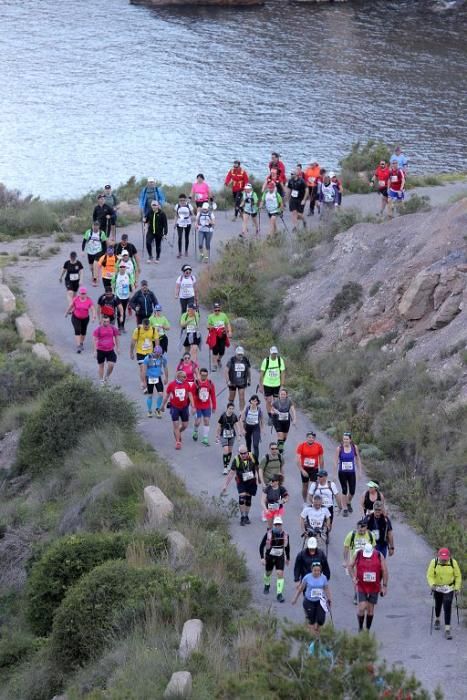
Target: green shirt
[(161, 323), (192, 322), (359, 541), (220, 320), (271, 467), (272, 371)]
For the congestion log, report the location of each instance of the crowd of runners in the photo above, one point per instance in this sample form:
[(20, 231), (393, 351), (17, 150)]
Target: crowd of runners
[(240, 419)]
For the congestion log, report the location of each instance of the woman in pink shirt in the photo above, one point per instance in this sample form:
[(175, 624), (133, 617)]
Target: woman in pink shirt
[(200, 191), (106, 347), (190, 367), (80, 308)]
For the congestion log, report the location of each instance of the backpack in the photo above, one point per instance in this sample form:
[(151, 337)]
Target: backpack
[(352, 539), (153, 334), (280, 457), (269, 539), (211, 385), (450, 564), (279, 360)]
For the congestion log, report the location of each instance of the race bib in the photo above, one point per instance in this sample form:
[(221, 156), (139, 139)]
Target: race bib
[(369, 577), (239, 368), (198, 196), (309, 462), (276, 551), (346, 466), (283, 416), (315, 524), (273, 373), (273, 506), (124, 290), (227, 433), (444, 589), (246, 476), (375, 534), (74, 276), (382, 183), (180, 394), (190, 329), (94, 245), (203, 394), (153, 380), (294, 193), (252, 419), (394, 178), (316, 593), (147, 344)]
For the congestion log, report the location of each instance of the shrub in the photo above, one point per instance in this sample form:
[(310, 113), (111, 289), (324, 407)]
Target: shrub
[(40, 376), (30, 218), (363, 158), (51, 431), (414, 204), (350, 294), (8, 338)]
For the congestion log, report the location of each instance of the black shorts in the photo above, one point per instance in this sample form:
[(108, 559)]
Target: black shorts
[(196, 341), (384, 192), (80, 325), (312, 475), (140, 357), (103, 355), (274, 213), (94, 257), (250, 487), (234, 388), (314, 612), (348, 482), (281, 426), (159, 386), (275, 563), (164, 342), (295, 204), (219, 347), (271, 391), (252, 214), (72, 286), (367, 597)]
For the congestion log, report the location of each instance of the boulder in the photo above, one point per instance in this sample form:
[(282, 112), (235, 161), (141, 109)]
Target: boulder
[(25, 328), (181, 550), (40, 351), (121, 460), (191, 638), (447, 311), (7, 299), (418, 298), (451, 281), (180, 685), (159, 508), (241, 325)]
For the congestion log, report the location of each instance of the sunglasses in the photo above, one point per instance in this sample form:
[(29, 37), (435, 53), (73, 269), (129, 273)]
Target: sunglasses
[(243, 453)]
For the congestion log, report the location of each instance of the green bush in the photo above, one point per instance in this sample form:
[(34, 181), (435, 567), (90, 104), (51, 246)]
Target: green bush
[(24, 376), (66, 561), (363, 158), (9, 339), (15, 646), (30, 218), (413, 204), (51, 431), (350, 294)]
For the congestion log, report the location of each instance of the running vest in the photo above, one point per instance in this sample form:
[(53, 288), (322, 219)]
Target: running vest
[(184, 213), (275, 544), (252, 418), (329, 193), (347, 461), (369, 572), (205, 221)]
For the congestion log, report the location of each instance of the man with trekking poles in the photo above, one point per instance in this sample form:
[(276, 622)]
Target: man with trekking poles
[(445, 580)]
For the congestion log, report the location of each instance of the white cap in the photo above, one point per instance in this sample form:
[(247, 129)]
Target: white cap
[(277, 520), (248, 186), (273, 350), (151, 179), (367, 550), (332, 174), (239, 350), (205, 205), (312, 543)]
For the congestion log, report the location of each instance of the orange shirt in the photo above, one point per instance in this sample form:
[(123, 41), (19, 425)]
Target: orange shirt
[(110, 266), (311, 174), (310, 454)]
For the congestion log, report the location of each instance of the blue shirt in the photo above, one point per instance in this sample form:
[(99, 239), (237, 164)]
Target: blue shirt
[(314, 586), (154, 366), (402, 160)]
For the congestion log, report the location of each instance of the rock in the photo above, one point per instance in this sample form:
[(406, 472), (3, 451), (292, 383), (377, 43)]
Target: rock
[(158, 505), (121, 460), (60, 697), (25, 328), (418, 298), (451, 281), (7, 299), (447, 311), (8, 448), (191, 638), (241, 325), (180, 685), (181, 550), (127, 209), (40, 350)]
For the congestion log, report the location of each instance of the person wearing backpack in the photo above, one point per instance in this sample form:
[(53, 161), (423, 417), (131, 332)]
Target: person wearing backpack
[(249, 208), (147, 195), (327, 490), (108, 265), (271, 378), (205, 221), (204, 393), (273, 203), (186, 288), (273, 498), (103, 214), (354, 541), (370, 576), (244, 467), (274, 551), (251, 423), (109, 305), (112, 202), (156, 229), (271, 464), (144, 339), (184, 213), (238, 375), (283, 413), (143, 302), (445, 579), (94, 244)]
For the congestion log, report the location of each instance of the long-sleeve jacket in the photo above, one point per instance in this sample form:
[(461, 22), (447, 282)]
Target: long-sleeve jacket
[(146, 196), (304, 561), (100, 214), (146, 302), (444, 574), (157, 223), (238, 177)]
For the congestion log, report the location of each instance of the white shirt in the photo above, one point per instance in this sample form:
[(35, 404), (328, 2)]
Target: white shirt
[(187, 286), (315, 516), (184, 213), (327, 492)]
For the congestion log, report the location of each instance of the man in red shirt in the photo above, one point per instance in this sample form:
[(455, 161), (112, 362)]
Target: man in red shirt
[(381, 176), (105, 339), (237, 178), (204, 393), (180, 395), (310, 458), (276, 163), (396, 186), (370, 576)]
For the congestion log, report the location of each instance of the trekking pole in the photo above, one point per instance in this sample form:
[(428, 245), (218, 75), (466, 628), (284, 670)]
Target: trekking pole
[(330, 613), (457, 609), (281, 217), (432, 615), (209, 360), (142, 236), (221, 391)]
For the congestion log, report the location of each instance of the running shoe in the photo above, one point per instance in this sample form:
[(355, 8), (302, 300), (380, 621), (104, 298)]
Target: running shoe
[(280, 598), (205, 442), (195, 435), (149, 414)]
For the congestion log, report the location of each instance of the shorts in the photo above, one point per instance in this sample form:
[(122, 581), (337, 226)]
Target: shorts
[(227, 442), (348, 482), (158, 385), (271, 514), (196, 340), (281, 426), (295, 204), (398, 195), (367, 597), (103, 355), (271, 390), (252, 214), (274, 563), (182, 414), (94, 257), (80, 324), (203, 412), (72, 286), (384, 192), (274, 213), (234, 388), (314, 612), (382, 549), (140, 358), (250, 487), (312, 475)]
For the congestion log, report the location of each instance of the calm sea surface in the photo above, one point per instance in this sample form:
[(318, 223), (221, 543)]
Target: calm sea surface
[(92, 92)]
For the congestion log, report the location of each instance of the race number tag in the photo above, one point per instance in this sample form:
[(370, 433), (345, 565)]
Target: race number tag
[(273, 373), (74, 276), (347, 466), (153, 380), (316, 593), (180, 394), (227, 433), (294, 193), (246, 476), (369, 577), (309, 462), (203, 394), (283, 416), (394, 178), (382, 183), (276, 551), (273, 506)]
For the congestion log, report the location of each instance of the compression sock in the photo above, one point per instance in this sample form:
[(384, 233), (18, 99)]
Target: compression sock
[(280, 585), (369, 620), (267, 579), (281, 445), (226, 460), (149, 403), (205, 430), (159, 402), (360, 619), (229, 457)]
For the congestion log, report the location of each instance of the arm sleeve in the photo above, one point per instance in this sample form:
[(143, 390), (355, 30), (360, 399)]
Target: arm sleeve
[(262, 546), (287, 549), (326, 569), (457, 575), (430, 574), (228, 177)]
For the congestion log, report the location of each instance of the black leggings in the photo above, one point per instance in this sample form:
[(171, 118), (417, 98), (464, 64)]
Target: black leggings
[(164, 342), (80, 325), (253, 435), (219, 347), (180, 230), (237, 197), (313, 192), (150, 239), (348, 482), (124, 303), (444, 600)]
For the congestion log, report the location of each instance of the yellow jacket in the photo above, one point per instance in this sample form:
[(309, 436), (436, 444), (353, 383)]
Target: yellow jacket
[(444, 575)]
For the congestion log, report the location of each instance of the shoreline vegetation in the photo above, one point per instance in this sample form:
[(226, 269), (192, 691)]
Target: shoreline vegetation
[(24, 215)]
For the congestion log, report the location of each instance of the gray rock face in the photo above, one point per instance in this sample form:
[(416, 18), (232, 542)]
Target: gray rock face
[(7, 299), (191, 638), (181, 550), (40, 351), (418, 299), (159, 507), (25, 328)]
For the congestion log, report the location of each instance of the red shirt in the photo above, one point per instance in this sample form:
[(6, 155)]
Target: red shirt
[(369, 572), (382, 174), (179, 394), (309, 455), (205, 395), (105, 337), (280, 167), (395, 179), (238, 177)]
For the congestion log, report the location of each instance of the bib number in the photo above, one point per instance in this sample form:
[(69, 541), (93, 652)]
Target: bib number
[(247, 476), (369, 577), (309, 462), (394, 178), (273, 506), (203, 394), (276, 551), (153, 380), (346, 466), (147, 344), (316, 593), (294, 193), (74, 277), (190, 329), (382, 183), (180, 394), (283, 416), (273, 373), (227, 433)]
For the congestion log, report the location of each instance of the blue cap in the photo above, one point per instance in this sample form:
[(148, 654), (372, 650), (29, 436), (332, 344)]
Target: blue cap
[(158, 307)]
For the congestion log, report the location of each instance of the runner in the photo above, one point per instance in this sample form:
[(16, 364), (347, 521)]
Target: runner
[(236, 178), (184, 213), (445, 579), (108, 265), (156, 229), (310, 458), (273, 203), (106, 348), (327, 490), (305, 559), (103, 214), (274, 551), (315, 520), (317, 598), (227, 430), (109, 305), (94, 244), (154, 365), (271, 465), (186, 288), (158, 321), (125, 247), (396, 186), (354, 541), (319, 183), (401, 159), (123, 284), (189, 323), (243, 467), (249, 208), (297, 193), (80, 308), (112, 202), (347, 463), (370, 497), (251, 423), (328, 197), (200, 192), (219, 334), (73, 271), (271, 378), (273, 498), (311, 178), (205, 221), (381, 528), (370, 575), (180, 396), (381, 176), (238, 375), (204, 393), (283, 412), (143, 302), (147, 195), (190, 369), (144, 339)]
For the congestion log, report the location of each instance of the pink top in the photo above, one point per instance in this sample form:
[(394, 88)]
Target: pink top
[(105, 336), (200, 190), (189, 368), (81, 307)]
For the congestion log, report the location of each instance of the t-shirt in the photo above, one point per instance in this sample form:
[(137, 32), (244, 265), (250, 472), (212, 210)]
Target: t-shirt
[(315, 516), (395, 179), (94, 240), (105, 337), (359, 541), (189, 368), (297, 187), (283, 407), (274, 497), (200, 191), (145, 339), (327, 491), (72, 270), (402, 160), (379, 528), (108, 264), (179, 393), (272, 371), (122, 285), (220, 320), (154, 366), (310, 454), (271, 467), (187, 286), (191, 321), (204, 394), (238, 370), (81, 307), (314, 586), (245, 468), (382, 175), (108, 304), (129, 247), (272, 201), (311, 174), (184, 213), (227, 425), (159, 322)]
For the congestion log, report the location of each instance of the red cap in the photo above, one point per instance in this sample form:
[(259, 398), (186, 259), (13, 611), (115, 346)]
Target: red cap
[(444, 553)]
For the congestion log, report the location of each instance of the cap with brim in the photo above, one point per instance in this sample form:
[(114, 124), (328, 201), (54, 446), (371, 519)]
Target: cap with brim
[(362, 522), (312, 543), (151, 179), (144, 282), (125, 252), (83, 290), (372, 485), (367, 550), (273, 350), (239, 350), (322, 472), (107, 187), (311, 432), (73, 254), (205, 205), (158, 307), (444, 553), (277, 520)]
